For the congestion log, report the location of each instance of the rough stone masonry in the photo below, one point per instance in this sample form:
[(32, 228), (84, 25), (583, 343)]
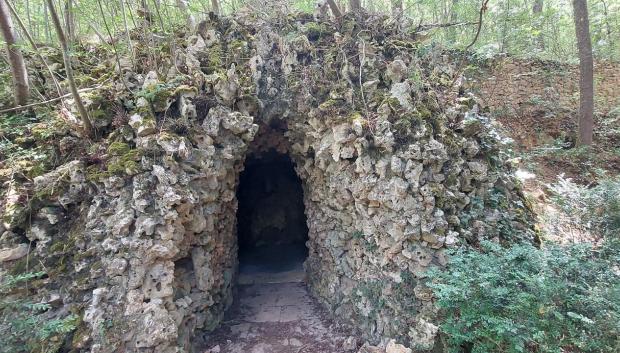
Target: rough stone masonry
[(396, 168)]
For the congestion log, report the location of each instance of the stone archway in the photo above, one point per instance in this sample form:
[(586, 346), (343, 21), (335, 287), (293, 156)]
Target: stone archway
[(394, 171)]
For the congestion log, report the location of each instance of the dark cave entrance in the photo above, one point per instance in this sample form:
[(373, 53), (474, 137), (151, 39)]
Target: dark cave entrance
[(271, 220)]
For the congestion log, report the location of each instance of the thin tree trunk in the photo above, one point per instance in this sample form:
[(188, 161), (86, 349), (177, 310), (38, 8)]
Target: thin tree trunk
[(15, 57), (215, 7), (28, 16), (34, 46), (129, 44), (453, 17), (610, 39), (69, 21), (504, 32), (48, 32), (113, 44), (161, 21), (88, 127), (131, 16), (537, 9), (397, 9), (355, 5), (97, 33), (586, 72), (334, 7)]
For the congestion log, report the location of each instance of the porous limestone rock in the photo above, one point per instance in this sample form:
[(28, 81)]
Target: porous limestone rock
[(9, 254), (143, 244)]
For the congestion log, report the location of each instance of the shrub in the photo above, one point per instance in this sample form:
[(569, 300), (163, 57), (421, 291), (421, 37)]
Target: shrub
[(27, 326), (598, 207), (525, 299)]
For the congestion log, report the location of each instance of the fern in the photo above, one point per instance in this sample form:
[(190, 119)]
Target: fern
[(27, 325), (523, 299)]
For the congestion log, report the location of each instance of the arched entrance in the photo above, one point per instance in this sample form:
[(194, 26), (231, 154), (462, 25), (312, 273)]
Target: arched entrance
[(271, 221)]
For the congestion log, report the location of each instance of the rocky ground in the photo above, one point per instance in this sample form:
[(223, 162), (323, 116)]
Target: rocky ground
[(279, 318), (274, 312)]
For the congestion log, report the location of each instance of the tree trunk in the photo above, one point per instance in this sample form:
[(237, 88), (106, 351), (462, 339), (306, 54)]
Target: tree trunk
[(397, 9), (505, 30), (215, 7), (610, 39), (537, 9), (355, 5), (452, 32), (15, 57), (126, 26), (334, 7), (69, 21), (586, 71), (88, 127), (48, 31), (158, 12), (34, 46)]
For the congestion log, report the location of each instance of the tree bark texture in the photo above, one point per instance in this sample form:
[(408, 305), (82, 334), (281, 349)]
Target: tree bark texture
[(586, 72), (14, 55), (334, 7), (537, 10), (215, 7)]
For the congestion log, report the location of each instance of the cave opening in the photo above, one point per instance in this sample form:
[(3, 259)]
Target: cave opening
[(271, 220)]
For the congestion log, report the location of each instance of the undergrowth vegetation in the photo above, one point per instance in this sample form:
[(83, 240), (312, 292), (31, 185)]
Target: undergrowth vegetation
[(24, 324), (526, 299), (550, 299), (597, 208)]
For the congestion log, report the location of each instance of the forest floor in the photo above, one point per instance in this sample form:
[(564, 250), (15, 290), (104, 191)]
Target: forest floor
[(544, 147)]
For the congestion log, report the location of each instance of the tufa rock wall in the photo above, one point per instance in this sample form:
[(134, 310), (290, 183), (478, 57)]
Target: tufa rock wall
[(140, 242), (517, 86)]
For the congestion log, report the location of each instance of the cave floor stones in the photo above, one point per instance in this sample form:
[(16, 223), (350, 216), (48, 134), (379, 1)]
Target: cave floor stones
[(277, 318), (273, 312)]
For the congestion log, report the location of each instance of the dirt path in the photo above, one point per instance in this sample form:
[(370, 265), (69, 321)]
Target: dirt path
[(278, 318)]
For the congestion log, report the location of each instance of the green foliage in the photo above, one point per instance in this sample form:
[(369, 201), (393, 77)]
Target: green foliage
[(27, 326), (23, 144), (508, 26), (118, 148), (597, 207), (358, 234), (525, 299)]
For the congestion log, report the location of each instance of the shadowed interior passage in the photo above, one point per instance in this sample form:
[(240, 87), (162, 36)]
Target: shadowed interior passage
[(271, 222)]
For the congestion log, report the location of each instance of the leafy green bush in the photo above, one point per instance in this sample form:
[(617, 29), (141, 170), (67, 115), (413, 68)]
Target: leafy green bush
[(525, 299), (25, 325)]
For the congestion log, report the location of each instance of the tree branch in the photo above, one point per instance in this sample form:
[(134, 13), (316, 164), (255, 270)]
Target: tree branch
[(88, 127), (334, 7), (422, 27), (46, 102), (483, 8)]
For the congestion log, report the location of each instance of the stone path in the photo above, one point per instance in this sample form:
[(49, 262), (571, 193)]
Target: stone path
[(278, 318), (273, 311)]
